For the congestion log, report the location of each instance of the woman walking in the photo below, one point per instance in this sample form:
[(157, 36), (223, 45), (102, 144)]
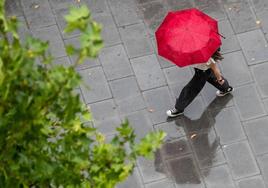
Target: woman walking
[(205, 72), (191, 38)]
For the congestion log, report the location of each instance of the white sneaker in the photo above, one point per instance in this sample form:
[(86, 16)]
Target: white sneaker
[(221, 93), (174, 112)]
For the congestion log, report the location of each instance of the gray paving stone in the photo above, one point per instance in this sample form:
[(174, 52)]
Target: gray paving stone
[(127, 95), (88, 63), (133, 181), (256, 181), (57, 4), (174, 5), (235, 69), (254, 46), (143, 1), (241, 16), (175, 91), (177, 78), (115, 62), (263, 163), (210, 99), (214, 102), (38, 13), (52, 35), (125, 12), (241, 160), (103, 109), (198, 126), (230, 43), (213, 8), (260, 5), (59, 15), (65, 61), (23, 30), (248, 102), (218, 103), (207, 148), (195, 110), (266, 104), (13, 8), (153, 13), (260, 74), (108, 126), (257, 131), (98, 87), (218, 177), (228, 126), (141, 123), (153, 10), (172, 130), (177, 75), (109, 32), (148, 170), (208, 93), (148, 72), (131, 104), (96, 6), (106, 117), (262, 18), (175, 148), (157, 102), (160, 184), (185, 173), (190, 185), (136, 40), (125, 87), (153, 27)]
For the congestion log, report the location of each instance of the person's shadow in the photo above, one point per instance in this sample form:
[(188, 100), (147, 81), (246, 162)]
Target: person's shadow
[(200, 147)]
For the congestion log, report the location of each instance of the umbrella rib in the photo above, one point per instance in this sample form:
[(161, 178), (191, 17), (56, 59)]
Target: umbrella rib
[(183, 39), (200, 38)]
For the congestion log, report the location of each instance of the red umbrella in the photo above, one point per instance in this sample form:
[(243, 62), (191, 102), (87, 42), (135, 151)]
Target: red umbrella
[(187, 37)]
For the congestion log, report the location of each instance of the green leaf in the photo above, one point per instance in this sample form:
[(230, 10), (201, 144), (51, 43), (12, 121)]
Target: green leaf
[(125, 130), (78, 18), (36, 47), (87, 116), (150, 143), (2, 75), (45, 136), (70, 49)]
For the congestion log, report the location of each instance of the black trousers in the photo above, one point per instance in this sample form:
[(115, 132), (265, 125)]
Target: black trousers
[(191, 90)]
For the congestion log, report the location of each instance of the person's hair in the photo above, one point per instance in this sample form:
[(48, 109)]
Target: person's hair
[(217, 56)]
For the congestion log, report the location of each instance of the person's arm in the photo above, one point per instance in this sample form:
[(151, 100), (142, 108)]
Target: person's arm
[(217, 72)]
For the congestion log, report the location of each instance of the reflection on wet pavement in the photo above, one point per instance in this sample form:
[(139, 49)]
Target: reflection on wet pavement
[(181, 159)]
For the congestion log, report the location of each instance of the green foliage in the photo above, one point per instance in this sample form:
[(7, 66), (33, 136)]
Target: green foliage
[(44, 140), (90, 39)]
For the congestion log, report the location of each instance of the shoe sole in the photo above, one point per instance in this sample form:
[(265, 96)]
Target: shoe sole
[(222, 95), (175, 115)]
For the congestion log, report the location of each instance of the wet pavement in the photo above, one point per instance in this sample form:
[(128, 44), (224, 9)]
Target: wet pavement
[(220, 142)]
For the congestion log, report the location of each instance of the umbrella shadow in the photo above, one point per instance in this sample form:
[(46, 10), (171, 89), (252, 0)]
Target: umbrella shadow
[(200, 147)]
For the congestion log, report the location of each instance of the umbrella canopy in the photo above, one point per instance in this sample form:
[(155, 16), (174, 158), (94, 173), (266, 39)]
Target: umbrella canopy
[(187, 37)]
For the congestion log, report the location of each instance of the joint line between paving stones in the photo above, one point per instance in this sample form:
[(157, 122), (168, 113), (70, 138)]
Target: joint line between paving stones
[(251, 150), (196, 161), (129, 59)]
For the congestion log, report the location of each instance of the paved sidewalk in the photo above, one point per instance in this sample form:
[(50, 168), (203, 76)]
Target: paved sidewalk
[(220, 142)]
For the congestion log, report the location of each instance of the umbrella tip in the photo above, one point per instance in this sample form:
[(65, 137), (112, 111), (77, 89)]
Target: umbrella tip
[(221, 35)]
